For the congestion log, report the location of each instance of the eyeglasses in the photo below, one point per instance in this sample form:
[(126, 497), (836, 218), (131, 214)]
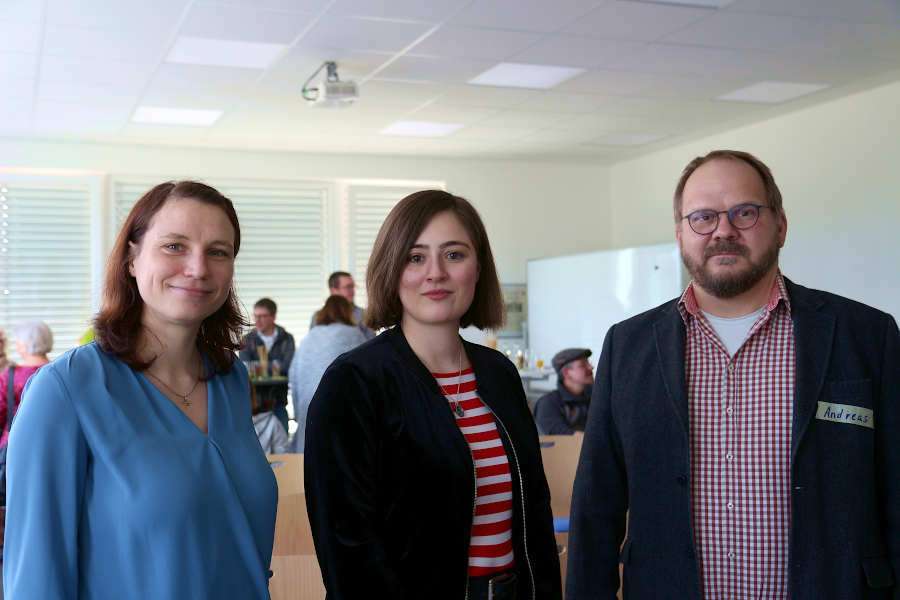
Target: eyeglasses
[(743, 216)]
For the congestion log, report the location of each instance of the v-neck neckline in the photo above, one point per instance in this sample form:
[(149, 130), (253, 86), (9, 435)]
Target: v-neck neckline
[(209, 404)]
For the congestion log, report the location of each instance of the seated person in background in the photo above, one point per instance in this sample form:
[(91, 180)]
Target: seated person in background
[(564, 411), (334, 334), (279, 345), (272, 436), (340, 283)]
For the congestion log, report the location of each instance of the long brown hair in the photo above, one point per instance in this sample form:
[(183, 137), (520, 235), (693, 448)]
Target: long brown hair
[(117, 327), (396, 237), (337, 309)]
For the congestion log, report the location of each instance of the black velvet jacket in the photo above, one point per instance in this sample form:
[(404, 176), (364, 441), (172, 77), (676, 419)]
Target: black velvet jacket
[(390, 480)]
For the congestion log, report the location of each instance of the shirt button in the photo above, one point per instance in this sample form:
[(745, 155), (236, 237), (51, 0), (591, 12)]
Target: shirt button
[(729, 411), (729, 456), (730, 505), (731, 555), (731, 368)]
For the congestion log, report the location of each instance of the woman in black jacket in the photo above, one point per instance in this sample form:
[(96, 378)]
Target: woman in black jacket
[(423, 468)]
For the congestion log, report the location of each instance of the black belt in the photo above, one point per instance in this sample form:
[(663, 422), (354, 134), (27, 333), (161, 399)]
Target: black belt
[(500, 586)]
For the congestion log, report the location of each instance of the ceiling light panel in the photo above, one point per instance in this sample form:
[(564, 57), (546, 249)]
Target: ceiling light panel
[(772, 92), (421, 128), (519, 75), (176, 116), (224, 53)]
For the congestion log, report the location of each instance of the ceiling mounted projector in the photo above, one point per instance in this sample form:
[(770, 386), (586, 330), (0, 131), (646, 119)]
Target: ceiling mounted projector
[(330, 92)]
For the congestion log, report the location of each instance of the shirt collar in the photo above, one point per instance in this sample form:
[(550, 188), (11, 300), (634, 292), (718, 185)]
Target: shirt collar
[(688, 307)]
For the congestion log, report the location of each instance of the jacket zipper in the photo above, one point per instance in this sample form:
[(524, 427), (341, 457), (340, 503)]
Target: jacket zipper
[(522, 498), (474, 506)]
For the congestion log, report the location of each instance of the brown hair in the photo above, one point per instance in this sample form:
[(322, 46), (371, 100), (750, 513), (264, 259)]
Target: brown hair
[(337, 309), (334, 280), (118, 325), (397, 235), (773, 194)]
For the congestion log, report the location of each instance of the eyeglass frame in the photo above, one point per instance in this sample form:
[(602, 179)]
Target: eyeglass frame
[(727, 213)]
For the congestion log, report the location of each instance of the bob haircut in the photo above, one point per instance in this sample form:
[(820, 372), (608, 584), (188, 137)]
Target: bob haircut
[(396, 237), (337, 309), (118, 325), (773, 194)]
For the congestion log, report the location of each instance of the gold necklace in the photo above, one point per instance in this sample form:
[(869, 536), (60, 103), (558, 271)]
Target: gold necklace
[(184, 397)]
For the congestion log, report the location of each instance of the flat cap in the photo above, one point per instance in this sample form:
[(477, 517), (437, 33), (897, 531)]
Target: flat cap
[(564, 357)]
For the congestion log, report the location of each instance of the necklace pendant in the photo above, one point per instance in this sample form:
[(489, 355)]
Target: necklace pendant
[(458, 409), (185, 402)]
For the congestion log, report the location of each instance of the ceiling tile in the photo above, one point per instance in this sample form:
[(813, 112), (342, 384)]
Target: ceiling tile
[(750, 32), (299, 63), (23, 38), (66, 117), (524, 15), (577, 51), (144, 46), (164, 133), (21, 11), (442, 70), (480, 44), (441, 113), (16, 115), (15, 66), (113, 97), (693, 60), (636, 21), (524, 119), (305, 6), (158, 16), (432, 11), (128, 78), (486, 97), (245, 23), (564, 103), (493, 134), (362, 34), (398, 95), (857, 11), (202, 79)]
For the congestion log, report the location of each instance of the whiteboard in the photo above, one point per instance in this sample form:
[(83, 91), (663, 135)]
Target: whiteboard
[(573, 300)]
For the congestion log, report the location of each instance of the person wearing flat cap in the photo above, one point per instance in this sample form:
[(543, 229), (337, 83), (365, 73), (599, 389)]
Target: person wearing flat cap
[(564, 411)]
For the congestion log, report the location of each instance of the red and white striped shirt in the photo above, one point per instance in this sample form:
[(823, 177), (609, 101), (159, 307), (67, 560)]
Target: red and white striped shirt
[(741, 408), (490, 545)]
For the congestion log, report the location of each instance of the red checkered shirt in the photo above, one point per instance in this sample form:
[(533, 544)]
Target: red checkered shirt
[(740, 435)]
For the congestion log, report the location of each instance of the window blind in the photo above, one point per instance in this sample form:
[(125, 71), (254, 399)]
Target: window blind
[(45, 268)]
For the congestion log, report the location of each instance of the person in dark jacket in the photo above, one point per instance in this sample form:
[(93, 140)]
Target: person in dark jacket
[(742, 439), (423, 472), (279, 350), (564, 410)]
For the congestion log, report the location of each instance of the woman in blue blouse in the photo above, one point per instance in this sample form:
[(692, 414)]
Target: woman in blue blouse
[(133, 467)]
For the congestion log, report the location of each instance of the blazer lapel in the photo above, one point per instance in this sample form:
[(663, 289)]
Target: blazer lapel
[(669, 332), (813, 339)]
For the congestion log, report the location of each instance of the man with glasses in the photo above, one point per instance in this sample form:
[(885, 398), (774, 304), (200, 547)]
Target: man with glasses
[(748, 428), (278, 350)]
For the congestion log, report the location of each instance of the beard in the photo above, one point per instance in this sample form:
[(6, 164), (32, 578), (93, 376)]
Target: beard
[(733, 284)]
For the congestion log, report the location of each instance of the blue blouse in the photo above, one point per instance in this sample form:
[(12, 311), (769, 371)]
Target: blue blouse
[(113, 492)]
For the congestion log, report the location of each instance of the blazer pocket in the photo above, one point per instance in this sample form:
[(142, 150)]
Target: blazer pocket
[(878, 572)]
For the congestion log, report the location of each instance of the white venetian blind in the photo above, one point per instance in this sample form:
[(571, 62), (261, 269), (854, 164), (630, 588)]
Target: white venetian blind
[(283, 242), (45, 269), (368, 206)]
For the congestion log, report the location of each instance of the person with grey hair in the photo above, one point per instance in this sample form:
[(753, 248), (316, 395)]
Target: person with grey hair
[(34, 341)]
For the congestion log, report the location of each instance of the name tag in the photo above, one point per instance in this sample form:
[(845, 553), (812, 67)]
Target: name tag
[(846, 413)]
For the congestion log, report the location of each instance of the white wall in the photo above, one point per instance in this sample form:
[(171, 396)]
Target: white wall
[(531, 209), (838, 167)]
